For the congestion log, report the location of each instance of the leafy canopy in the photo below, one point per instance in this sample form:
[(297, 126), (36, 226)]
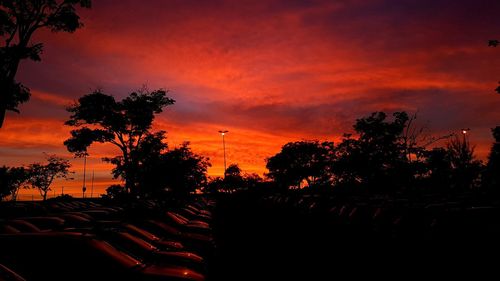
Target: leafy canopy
[(41, 175), (19, 20), (127, 124), (298, 161), (11, 180)]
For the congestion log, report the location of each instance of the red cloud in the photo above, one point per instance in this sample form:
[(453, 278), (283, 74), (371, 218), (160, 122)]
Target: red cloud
[(268, 71)]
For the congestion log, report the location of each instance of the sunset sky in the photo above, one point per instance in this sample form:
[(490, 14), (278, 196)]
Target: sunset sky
[(270, 72)]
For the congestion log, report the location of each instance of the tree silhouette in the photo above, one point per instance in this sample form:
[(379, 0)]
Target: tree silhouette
[(386, 156), (299, 161), (438, 169), (415, 139), (493, 43), (491, 175), (492, 171), (126, 124), (252, 180), (465, 168), (214, 185), (176, 172), (235, 180), (41, 176), (115, 191), (145, 158), (11, 180), (5, 186), (233, 171), (389, 157), (19, 21), (378, 157)]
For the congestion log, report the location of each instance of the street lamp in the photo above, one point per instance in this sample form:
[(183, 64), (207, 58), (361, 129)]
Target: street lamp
[(223, 133), (465, 132), (92, 188), (84, 188)]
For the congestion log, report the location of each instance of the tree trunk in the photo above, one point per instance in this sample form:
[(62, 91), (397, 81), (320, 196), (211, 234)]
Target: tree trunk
[(129, 183), (3, 104), (14, 195), (130, 177), (9, 75), (128, 186)]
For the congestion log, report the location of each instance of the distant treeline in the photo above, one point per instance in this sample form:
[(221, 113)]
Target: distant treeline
[(387, 155)]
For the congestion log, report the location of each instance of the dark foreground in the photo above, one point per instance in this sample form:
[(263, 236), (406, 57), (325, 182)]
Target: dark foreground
[(250, 236), (100, 240), (317, 238)]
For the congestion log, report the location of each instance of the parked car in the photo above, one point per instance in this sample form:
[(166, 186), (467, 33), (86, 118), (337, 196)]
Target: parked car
[(142, 250), (77, 256)]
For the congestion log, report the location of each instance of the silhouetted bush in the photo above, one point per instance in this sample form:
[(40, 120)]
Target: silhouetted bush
[(115, 191)]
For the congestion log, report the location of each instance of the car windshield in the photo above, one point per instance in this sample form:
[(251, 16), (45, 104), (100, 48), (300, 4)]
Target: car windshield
[(176, 218), (142, 232), (116, 255), (137, 241)]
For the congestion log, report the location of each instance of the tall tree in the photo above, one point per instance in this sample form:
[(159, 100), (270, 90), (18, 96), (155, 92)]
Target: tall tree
[(176, 172), (233, 178), (379, 157), (126, 124), (19, 21), (236, 179), (41, 175), (11, 180), (145, 159), (233, 170), (299, 161)]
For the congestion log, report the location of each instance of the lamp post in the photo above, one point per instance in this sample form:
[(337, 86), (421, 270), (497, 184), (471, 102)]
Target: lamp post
[(223, 133), (92, 186), (465, 132), (84, 188)]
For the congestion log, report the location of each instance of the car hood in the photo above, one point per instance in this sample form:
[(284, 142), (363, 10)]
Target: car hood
[(173, 272)]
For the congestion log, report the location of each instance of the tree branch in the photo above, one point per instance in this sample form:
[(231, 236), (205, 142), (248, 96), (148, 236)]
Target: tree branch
[(11, 37)]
